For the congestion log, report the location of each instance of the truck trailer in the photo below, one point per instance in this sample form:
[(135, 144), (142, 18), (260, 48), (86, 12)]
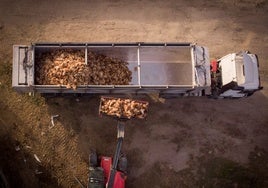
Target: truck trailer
[(169, 69)]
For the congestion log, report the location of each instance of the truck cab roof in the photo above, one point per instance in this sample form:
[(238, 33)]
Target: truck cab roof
[(241, 68)]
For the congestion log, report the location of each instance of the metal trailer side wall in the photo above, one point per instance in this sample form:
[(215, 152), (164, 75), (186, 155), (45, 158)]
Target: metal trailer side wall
[(155, 67)]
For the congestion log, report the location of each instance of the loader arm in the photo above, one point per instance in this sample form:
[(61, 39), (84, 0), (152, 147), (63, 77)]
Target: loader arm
[(120, 137)]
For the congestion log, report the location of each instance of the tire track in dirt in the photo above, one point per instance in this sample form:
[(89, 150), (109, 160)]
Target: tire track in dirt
[(56, 147), (60, 151)]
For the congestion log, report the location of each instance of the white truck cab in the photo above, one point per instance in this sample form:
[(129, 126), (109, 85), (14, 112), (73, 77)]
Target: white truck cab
[(239, 74)]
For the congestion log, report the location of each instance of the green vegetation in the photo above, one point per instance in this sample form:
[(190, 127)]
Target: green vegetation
[(220, 172), (209, 172)]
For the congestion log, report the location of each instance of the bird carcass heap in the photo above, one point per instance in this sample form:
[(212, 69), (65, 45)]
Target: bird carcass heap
[(123, 108), (68, 68)]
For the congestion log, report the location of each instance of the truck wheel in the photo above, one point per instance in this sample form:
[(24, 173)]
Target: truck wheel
[(3, 180), (122, 164), (93, 160)]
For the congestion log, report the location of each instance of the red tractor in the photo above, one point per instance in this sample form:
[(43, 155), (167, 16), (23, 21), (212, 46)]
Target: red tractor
[(107, 171)]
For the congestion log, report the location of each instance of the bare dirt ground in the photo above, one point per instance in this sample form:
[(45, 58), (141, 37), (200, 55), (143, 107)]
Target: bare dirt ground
[(185, 142)]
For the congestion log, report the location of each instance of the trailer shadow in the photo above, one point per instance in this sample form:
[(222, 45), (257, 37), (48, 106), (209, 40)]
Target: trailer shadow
[(81, 115)]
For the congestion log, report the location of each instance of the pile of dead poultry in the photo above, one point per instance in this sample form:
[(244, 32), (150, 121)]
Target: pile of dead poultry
[(123, 108), (68, 68)]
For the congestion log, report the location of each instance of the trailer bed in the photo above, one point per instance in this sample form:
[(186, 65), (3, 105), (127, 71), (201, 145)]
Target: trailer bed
[(160, 67)]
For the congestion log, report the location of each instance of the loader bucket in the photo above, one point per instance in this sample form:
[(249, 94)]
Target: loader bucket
[(123, 108)]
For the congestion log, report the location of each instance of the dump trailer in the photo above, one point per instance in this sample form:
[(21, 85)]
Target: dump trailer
[(179, 69)]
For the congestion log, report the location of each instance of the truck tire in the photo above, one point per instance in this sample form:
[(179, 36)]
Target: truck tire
[(93, 159), (122, 164)]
